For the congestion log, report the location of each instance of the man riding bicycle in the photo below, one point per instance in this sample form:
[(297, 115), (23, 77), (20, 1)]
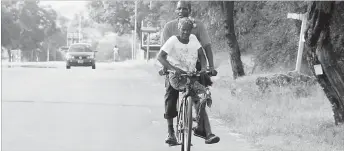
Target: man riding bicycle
[(198, 30)]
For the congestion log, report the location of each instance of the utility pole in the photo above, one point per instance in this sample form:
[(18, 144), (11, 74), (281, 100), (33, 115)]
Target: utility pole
[(79, 28), (135, 32), (150, 5), (303, 18), (132, 45), (68, 34)]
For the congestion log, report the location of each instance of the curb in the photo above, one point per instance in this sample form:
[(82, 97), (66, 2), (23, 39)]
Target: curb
[(28, 66)]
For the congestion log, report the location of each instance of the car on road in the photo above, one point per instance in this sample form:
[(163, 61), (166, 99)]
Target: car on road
[(80, 54)]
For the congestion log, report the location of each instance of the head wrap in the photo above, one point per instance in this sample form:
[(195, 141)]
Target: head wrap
[(185, 21)]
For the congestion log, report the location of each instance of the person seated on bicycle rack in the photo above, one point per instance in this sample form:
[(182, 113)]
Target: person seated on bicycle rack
[(180, 54)]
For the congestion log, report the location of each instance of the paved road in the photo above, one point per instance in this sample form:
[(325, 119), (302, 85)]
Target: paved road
[(107, 109)]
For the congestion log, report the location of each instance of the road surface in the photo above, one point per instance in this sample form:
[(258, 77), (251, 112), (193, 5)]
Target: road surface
[(107, 109)]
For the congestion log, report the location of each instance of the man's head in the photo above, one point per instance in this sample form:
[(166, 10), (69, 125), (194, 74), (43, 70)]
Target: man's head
[(185, 26), (183, 9)]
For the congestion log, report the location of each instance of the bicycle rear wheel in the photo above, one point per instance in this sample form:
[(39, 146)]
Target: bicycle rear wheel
[(187, 124)]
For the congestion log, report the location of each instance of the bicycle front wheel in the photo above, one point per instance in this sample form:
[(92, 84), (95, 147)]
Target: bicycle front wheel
[(188, 124), (180, 124)]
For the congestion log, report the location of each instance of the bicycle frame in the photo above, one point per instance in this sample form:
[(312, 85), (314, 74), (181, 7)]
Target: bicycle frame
[(184, 121), (184, 117)]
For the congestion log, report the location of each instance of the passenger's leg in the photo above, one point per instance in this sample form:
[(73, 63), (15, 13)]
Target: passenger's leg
[(204, 128), (199, 130)]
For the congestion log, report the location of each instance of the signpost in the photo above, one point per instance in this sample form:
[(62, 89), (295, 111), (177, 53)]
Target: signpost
[(149, 29), (73, 37), (303, 18)]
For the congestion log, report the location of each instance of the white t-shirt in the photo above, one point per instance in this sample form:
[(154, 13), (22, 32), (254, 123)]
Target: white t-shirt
[(183, 56), (115, 50)]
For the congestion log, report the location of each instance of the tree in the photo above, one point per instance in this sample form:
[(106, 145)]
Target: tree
[(10, 29), (32, 28), (234, 51), (116, 13), (27, 26), (121, 16), (325, 46)]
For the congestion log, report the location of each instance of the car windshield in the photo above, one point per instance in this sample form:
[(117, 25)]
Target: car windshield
[(80, 48)]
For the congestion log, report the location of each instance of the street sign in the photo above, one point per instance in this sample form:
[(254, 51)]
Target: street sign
[(74, 35), (318, 69), (149, 29)]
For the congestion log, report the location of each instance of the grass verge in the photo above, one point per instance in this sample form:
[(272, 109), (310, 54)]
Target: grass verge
[(294, 118)]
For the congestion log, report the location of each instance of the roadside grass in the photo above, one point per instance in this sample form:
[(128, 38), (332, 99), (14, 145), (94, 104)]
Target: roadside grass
[(294, 118)]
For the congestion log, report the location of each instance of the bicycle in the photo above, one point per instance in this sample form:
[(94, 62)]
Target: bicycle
[(184, 118)]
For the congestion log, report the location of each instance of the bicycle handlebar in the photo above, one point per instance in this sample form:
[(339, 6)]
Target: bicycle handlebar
[(197, 73)]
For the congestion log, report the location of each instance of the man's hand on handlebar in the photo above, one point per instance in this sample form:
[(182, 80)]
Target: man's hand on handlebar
[(162, 71), (213, 71), (178, 71)]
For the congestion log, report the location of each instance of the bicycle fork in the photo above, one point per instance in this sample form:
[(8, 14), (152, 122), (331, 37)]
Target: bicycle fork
[(181, 104)]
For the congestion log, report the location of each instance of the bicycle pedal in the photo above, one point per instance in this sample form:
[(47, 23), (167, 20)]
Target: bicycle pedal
[(170, 145)]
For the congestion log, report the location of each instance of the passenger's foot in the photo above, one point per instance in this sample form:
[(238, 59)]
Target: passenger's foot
[(212, 139), (171, 139), (199, 133)]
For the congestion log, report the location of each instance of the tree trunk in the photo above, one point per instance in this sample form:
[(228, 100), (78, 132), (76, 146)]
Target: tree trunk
[(32, 57), (55, 54), (324, 43), (9, 55), (48, 52), (234, 51)]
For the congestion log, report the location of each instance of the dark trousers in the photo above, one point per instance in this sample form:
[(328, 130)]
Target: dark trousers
[(171, 97)]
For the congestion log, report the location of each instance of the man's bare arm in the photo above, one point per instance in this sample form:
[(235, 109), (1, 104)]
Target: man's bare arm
[(209, 54), (206, 43), (202, 59), (165, 35)]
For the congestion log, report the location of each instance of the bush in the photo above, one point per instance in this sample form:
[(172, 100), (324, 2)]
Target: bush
[(281, 119)]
